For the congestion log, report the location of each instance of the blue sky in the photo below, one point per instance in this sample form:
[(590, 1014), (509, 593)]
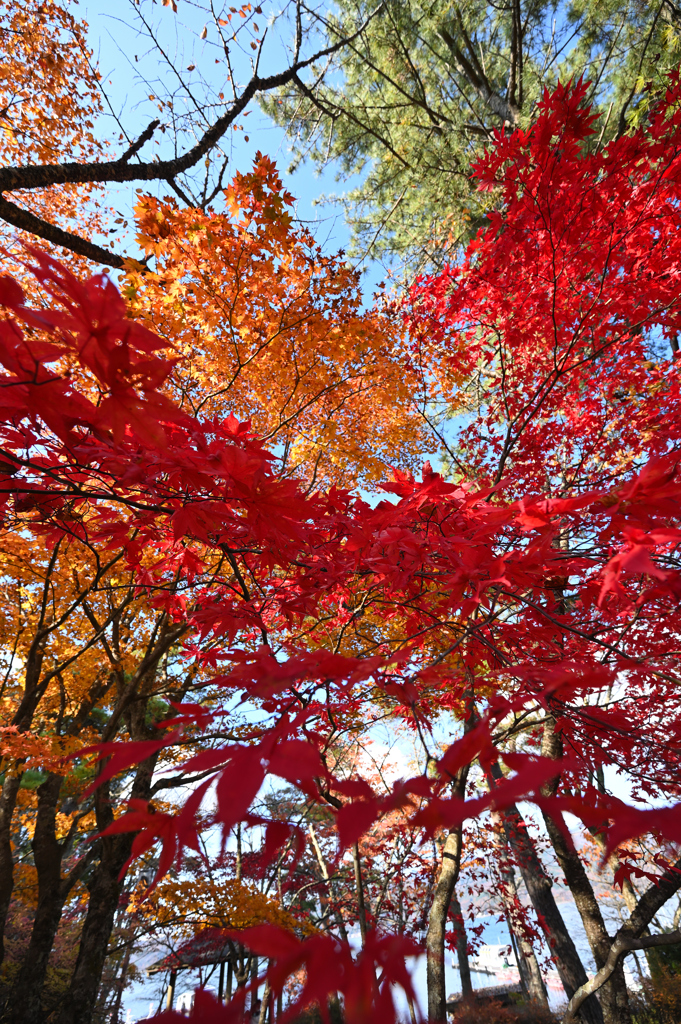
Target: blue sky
[(132, 75)]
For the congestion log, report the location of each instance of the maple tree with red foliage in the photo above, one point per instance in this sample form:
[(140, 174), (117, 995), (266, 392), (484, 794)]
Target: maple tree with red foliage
[(532, 602)]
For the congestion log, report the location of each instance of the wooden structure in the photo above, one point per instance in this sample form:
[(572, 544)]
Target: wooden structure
[(507, 995), (207, 948)]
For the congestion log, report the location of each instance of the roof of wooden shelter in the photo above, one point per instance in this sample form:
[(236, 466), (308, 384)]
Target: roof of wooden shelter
[(207, 947)]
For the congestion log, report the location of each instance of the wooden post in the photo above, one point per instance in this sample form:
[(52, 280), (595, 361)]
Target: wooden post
[(221, 983), (171, 990)]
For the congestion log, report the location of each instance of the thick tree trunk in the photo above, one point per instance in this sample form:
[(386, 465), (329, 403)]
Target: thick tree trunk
[(25, 1002), (613, 994), (25, 999), (8, 799), (105, 892), (538, 885)]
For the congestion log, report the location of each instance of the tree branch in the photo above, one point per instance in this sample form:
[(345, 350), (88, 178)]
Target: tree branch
[(622, 944), (136, 146), (503, 108), (121, 170), (45, 175), (27, 221)]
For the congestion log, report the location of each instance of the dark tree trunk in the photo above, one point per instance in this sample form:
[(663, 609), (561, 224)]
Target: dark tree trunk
[(25, 999), (527, 959), (613, 995), (538, 885), (105, 892), (24, 1005), (8, 799)]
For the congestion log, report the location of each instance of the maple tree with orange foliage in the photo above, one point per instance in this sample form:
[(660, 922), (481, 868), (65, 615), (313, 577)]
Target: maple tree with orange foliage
[(251, 310)]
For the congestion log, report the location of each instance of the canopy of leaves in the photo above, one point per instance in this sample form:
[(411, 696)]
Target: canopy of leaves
[(518, 599), (411, 102)]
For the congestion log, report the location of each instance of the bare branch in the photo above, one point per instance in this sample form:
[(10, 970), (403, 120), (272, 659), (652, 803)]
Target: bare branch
[(136, 146), (45, 175), (622, 944), (27, 221), (40, 176)]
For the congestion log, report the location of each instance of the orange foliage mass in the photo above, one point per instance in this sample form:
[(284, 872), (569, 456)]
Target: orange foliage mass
[(272, 330), (197, 902), (49, 105)]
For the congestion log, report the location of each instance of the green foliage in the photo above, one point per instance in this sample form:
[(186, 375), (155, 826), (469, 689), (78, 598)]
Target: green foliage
[(412, 101), (663, 961), (312, 1014)]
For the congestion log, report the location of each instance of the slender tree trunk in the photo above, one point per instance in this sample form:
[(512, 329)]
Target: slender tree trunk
[(461, 948), (439, 910), (359, 892), (437, 924), (539, 885), (338, 917), (613, 994), (525, 954), (8, 799), (120, 985), (254, 982), (264, 1004)]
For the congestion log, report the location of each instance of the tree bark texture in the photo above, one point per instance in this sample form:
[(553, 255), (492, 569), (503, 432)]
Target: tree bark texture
[(437, 923), (538, 884), (105, 892), (26, 996), (528, 965), (461, 947), (437, 919), (25, 1000), (613, 994), (8, 799)]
